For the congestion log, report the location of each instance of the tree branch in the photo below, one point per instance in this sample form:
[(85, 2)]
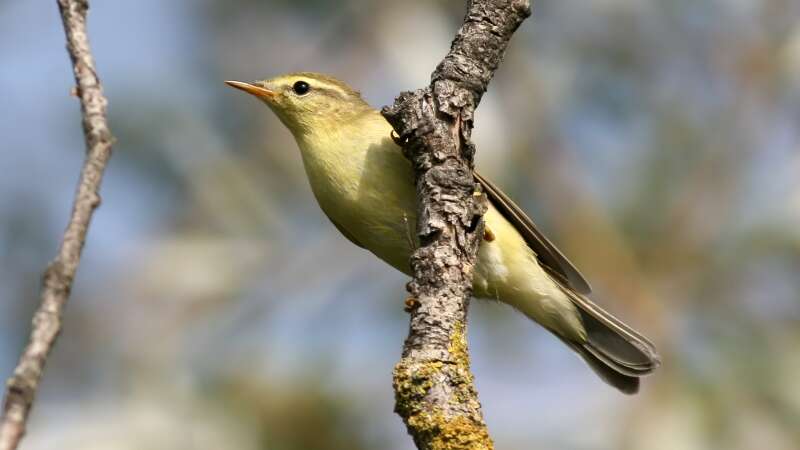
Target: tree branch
[(434, 390), (57, 279)]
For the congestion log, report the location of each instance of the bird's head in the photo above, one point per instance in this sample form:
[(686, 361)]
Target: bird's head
[(307, 101)]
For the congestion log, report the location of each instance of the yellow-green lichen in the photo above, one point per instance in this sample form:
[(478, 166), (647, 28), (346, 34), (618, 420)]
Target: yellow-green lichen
[(459, 433), (458, 345), (411, 385), (427, 423)]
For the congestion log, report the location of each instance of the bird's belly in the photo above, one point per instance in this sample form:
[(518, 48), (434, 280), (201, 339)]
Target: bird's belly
[(384, 222), (389, 232), (377, 207), (375, 203)]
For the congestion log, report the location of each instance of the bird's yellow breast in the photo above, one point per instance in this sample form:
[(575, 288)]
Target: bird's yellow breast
[(363, 182), (365, 185)]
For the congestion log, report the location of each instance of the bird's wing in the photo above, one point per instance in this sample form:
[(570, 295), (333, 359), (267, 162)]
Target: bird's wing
[(550, 258), (344, 232)]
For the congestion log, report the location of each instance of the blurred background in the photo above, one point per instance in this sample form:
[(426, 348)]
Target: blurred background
[(658, 143)]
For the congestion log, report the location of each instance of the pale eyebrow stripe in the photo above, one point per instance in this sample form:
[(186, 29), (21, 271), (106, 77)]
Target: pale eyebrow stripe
[(329, 87), (330, 90)]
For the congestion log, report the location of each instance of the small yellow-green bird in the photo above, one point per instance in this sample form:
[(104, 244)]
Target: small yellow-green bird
[(365, 186)]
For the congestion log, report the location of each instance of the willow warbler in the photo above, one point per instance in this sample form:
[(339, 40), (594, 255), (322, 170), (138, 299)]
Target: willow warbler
[(365, 186)]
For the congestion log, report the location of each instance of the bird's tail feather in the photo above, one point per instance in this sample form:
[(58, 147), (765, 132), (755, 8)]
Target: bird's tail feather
[(625, 383), (616, 352)]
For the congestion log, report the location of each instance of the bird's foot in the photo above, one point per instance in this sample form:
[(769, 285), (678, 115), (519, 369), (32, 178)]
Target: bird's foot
[(411, 304)]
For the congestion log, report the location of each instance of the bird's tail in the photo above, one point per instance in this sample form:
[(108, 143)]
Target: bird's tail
[(616, 352)]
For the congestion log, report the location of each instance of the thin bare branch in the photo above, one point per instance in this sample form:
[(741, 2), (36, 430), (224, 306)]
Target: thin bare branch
[(434, 389), (57, 280)]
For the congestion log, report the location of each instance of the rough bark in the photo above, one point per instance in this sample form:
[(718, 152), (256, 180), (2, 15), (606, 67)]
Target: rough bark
[(434, 390), (57, 280)]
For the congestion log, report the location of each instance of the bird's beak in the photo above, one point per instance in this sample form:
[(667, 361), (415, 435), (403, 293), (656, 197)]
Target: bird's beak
[(260, 92)]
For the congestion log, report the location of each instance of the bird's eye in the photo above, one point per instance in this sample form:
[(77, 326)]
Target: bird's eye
[(301, 88)]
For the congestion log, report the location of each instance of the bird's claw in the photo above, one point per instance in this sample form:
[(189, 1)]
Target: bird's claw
[(411, 304), (399, 140)]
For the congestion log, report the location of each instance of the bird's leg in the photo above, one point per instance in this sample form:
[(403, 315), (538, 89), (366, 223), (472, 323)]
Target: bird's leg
[(488, 235), (399, 140), (411, 304), (402, 140)]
